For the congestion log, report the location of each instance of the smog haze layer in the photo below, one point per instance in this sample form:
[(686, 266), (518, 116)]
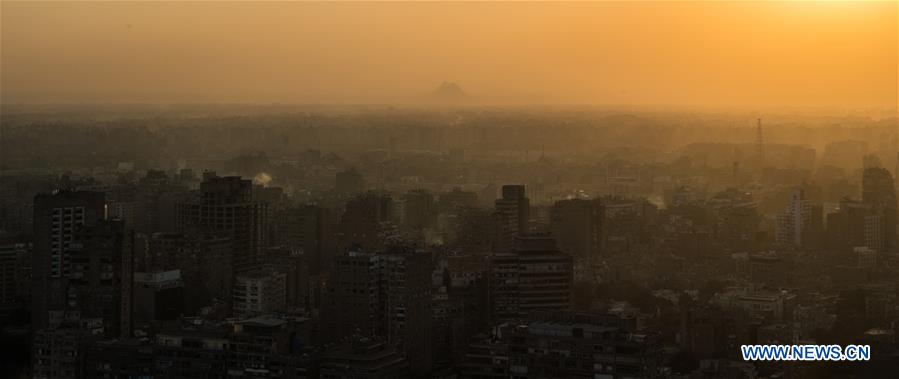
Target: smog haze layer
[(745, 54)]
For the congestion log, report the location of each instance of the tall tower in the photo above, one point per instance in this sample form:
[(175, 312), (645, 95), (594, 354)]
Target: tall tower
[(58, 217), (512, 216), (225, 206), (759, 144)]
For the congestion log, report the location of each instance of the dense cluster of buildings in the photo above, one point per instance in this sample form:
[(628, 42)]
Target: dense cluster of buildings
[(167, 275)]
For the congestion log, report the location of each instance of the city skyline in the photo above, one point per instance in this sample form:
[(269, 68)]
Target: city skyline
[(449, 190)]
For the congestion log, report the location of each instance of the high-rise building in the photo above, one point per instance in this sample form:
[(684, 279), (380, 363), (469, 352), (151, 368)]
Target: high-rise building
[(878, 188), (474, 230), (308, 229), (260, 291), (158, 296), (419, 209), (224, 206), (299, 284), (351, 300), (627, 224), (386, 296), (12, 274), (535, 276), (57, 352), (460, 303), (148, 206), (406, 299), (57, 218), (875, 232), (846, 227), (879, 192), (204, 262), (101, 275), (576, 225), (363, 220), (800, 224), (512, 213)]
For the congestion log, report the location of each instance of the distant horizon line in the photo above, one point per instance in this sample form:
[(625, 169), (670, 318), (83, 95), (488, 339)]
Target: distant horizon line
[(684, 107)]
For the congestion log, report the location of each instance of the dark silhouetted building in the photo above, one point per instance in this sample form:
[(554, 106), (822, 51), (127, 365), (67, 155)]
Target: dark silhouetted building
[(363, 221), (512, 213), (58, 352), (101, 275), (349, 183), (260, 291), (582, 346), (351, 300), (879, 192), (158, 296), (308, 229), (118, 358), (224, 206), (576, 226), (565, 345), (846, 227), (386, 296), (13, 274), (203, 260), (419, 209), (299, 284), (535, 276), (57, 217), (363, 358)]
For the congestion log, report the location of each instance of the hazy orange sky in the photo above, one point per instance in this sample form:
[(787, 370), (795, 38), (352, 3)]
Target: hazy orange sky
[(692, 53)]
